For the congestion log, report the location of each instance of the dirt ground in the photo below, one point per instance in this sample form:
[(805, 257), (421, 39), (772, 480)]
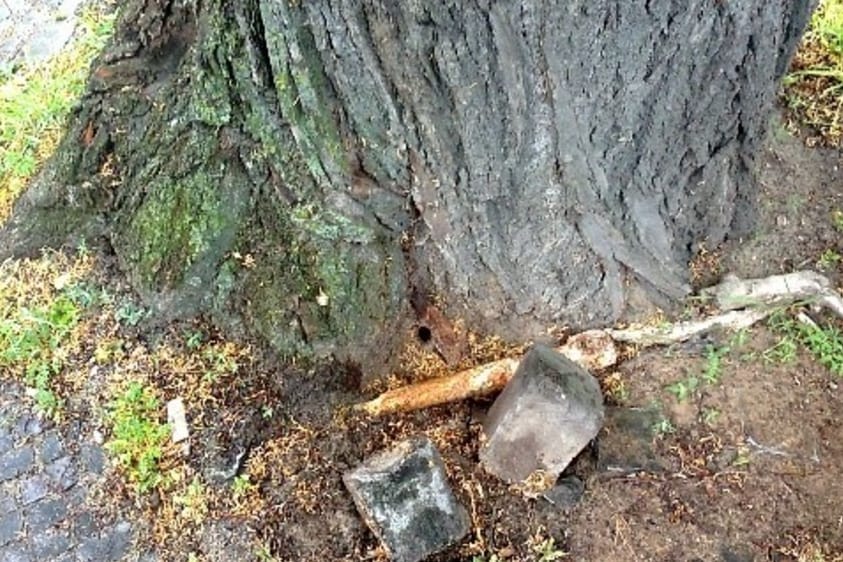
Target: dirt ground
[(746, 468), (751, 466)]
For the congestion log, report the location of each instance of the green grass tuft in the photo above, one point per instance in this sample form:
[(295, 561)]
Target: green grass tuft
[(31, 344), (824, 342), (35, 102), (138, 438)]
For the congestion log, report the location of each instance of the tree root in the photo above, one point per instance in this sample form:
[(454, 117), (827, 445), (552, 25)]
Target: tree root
[(593, 350), (742, 302)]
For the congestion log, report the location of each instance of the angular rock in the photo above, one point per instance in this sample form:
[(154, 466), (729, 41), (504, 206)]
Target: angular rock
[(51, 448), (177, 419), (62, 473), (550, 410), (49, 545), (626, 443), (16, 462), (33, 489), (6, 442), (11, 524), (93, 458), (566, 493), (404, 497), (44, 514)]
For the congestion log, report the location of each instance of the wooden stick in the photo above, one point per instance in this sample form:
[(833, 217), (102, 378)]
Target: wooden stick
[(776, 290), (596, 349), (683, 331), (593, 350)]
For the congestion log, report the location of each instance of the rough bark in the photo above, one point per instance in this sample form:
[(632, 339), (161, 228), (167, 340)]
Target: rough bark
[(528, 162)]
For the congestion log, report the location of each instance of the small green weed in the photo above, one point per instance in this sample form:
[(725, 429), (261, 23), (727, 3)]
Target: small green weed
[(241, 485), (264, 554), (664, 427), (828, 260), (220, 361), (685, 388), (712, 369), (714, 363), (192, 502), (837, 220), (710, 416), (138, 438), (129, 314), (824, 342), (784, 351), (31, 344), (547, 551), (193, 339)]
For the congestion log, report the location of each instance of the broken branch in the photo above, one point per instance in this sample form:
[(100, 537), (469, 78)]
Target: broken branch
[(593, 350), (744, 303)]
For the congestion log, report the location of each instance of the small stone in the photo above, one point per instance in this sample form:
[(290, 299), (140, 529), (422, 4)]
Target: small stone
[(111, 546), (62, 473), (10, 525), (51, 448), (33, 489), (404, 497), (177, 419), (49, 544), (566, 493), (119, 538), (7, 504), (44, 514), (18, 552), (626, 444), (29, 426), (550, 410), (6, 444), (16, 462), (93, 458), (84, 526)]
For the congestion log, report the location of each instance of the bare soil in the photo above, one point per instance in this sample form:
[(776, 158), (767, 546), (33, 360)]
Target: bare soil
[(751, 469)]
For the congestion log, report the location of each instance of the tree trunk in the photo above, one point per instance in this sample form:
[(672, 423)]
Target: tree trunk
[(311, 171)]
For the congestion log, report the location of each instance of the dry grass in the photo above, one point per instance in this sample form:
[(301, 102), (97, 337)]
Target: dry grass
[(35, 102), (813, 91)]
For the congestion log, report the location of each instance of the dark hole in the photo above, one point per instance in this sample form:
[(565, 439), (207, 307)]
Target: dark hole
[(424, 334)]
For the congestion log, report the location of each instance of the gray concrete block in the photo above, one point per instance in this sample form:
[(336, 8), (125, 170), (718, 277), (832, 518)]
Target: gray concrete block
[(545, 416), (404, 497)]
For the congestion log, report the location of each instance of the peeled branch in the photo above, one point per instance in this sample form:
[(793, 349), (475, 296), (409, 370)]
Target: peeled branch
[(593, 350), (743, 302), (683, 331), (776, 290)]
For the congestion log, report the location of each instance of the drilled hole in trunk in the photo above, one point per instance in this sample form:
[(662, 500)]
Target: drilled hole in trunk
[(424, 334)]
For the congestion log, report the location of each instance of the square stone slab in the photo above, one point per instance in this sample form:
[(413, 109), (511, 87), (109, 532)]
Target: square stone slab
[(404, 497)]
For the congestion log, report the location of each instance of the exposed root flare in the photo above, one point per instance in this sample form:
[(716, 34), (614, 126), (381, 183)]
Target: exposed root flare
[(742, 304)]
